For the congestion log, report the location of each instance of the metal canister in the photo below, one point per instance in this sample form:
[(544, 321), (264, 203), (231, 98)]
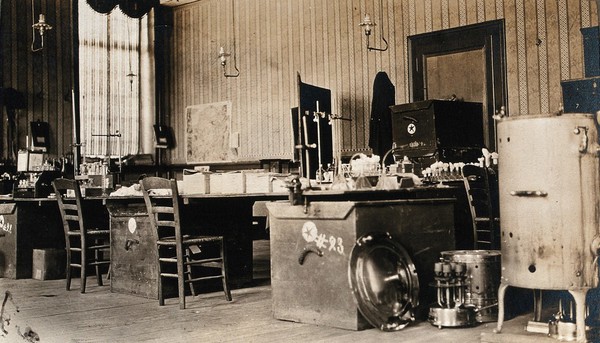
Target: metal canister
[(483, 270), (549, 184)]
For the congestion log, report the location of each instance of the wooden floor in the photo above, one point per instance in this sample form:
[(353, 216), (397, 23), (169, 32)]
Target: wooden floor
[(56, 315)]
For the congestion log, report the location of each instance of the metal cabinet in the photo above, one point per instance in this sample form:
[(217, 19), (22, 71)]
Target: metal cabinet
[(581, 96)]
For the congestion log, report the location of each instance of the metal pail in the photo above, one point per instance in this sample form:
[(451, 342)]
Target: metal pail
[(483, 269)]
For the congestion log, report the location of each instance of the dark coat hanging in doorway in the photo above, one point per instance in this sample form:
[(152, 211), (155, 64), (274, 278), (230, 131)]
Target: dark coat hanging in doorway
[(380, 127)]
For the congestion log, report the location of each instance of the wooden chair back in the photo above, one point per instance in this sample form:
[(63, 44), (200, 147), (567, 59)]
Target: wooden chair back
[(481, 186), (70, 204)]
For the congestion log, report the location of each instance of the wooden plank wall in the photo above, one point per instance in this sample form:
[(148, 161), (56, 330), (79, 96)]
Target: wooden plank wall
[(322, 41), (43, 76)]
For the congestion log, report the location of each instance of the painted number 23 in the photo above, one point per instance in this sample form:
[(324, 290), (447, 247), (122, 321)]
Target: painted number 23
[(310, 234)]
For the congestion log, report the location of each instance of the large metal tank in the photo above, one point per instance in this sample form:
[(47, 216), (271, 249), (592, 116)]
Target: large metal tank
[(549, 201)]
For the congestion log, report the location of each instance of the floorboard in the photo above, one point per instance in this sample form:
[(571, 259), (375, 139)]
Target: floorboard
[(57, 315)]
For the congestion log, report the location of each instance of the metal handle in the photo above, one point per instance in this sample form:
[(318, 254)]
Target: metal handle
[(584, 139), (308, 250), (529, 193)]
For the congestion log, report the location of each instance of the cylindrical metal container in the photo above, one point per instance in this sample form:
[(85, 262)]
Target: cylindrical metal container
[(549, 200), (483, 270)]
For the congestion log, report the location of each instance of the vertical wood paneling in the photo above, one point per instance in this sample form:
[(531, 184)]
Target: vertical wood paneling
[(428, 16), (420, 17), (453, 13), (593, 13), (575, 39), (471, 11), (552, 54), (361, 68), (512, 56), (542, 55), (43, 76), (462, 12), (338, 67), (490, 10), (401, 58), (436, 14), (352, 56), (531, 64), (274, 40), (320, 39), (563, 28)]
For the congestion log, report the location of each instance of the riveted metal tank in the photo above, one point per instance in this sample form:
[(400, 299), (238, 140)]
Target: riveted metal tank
[(549, 200)]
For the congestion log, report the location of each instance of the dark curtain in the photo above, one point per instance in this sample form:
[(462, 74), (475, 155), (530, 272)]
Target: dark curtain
[(380, 127), (132, 8)]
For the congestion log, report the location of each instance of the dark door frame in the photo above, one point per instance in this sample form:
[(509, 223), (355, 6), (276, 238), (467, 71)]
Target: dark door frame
[(488, 36)]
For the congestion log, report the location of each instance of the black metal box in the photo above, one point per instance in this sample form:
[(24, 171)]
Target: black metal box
[(582, 95), (591, 51), (449, 131)]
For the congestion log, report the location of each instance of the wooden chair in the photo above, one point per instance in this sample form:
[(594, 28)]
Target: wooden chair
[(174, 247), (86, 246), (481, 185)]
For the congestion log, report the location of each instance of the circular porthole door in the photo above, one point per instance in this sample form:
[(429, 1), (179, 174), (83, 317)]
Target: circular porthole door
[(384, 281)]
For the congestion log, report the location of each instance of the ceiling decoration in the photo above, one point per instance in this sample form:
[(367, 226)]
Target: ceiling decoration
[(132, 8)]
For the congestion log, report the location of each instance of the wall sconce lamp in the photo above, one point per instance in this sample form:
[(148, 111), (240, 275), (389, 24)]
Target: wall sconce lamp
[(41, 26), (223, 56), (223, 59), (368, 25)]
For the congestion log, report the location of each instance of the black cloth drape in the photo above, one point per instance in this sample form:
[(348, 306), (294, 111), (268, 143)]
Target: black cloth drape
[(131, 8), (380, 127)]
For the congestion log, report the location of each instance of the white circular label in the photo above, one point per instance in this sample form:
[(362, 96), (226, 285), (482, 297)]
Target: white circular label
[(309, 231), (132, 225), (411, 128)]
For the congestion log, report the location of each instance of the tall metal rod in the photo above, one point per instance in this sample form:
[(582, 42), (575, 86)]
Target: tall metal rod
[(75, 86), (306, 154), (76, 144), (318, 120)]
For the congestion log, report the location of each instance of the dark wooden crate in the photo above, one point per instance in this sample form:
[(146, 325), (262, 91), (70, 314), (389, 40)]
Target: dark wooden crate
[(134, 268), (25, 225), (318, 291)]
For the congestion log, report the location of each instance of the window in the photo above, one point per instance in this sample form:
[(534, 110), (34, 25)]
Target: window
[(110, 52)]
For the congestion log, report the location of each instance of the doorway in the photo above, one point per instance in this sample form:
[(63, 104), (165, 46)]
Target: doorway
[(466, 63)]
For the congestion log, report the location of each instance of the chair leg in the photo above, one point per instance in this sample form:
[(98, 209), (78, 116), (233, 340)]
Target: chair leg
[(97, 254), (68, 271), (83, 267), (224, 272), (180, 277), (189, 270), (161, 299)]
